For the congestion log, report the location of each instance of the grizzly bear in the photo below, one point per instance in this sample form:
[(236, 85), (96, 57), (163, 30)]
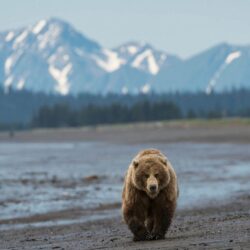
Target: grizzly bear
[(149, 195)]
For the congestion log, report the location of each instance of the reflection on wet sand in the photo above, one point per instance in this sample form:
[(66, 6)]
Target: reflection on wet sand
[(49, 178)]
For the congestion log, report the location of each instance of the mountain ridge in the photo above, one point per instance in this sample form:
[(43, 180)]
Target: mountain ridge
[(209, 71), (51, 56)]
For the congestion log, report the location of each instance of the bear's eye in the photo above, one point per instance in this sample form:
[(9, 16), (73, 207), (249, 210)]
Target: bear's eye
[(156, 175), (146, 175)]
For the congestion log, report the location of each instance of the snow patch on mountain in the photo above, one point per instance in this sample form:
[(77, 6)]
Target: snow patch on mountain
[(20, 39), (9, 36), (147, 55), (39, 26), (232, 56), (142, 56), (10, 61), (132, 49), (59, 58), (146, 88), (61, 76), (112, 60), (8, 64), (49, 38), (20, 84), (8, 81), (229, 59), (128, 49)]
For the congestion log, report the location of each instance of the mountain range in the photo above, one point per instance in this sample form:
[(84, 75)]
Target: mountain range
[(51, 56)]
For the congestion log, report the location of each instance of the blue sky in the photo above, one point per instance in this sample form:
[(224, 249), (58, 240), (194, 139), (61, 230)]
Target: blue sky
[(183, 27)]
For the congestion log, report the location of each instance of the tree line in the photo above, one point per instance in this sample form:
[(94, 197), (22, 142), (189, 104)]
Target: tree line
[(61, 115), (20, 109)]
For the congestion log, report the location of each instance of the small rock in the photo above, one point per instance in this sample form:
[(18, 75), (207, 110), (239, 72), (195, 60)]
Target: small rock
[(91, 178)]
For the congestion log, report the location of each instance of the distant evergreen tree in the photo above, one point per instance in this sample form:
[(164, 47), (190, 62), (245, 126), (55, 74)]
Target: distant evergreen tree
[(191, 114), (60, 115), (18, 108), (214, 114)]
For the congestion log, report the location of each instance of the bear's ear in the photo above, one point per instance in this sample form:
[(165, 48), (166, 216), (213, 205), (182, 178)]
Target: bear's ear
[(135, 163), (164, 161)]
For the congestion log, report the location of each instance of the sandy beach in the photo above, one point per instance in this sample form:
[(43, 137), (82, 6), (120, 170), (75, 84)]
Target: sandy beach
[(223, 224), (230, 130)]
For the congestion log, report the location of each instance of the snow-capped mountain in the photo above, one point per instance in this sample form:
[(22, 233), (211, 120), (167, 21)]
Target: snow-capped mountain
[(220, 68), (141, 62), (144, 57), (51, 56)]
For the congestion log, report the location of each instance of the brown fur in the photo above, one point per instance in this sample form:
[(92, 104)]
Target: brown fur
[(149, 195)]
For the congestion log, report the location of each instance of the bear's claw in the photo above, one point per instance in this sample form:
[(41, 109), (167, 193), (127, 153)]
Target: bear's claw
[(146, 236), (158, 237), (149, 236)]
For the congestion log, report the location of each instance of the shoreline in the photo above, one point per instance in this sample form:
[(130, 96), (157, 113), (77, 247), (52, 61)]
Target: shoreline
[(216, 131)]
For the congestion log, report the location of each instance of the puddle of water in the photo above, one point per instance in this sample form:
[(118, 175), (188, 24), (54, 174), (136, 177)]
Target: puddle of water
[(37, 178)]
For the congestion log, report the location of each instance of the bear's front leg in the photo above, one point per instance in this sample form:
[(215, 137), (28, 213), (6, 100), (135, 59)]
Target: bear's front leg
[(149, 223), (162, 221), (135, 222), (139, 230)]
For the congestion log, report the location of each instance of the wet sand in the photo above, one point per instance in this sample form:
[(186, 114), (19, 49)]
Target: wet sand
[(224, 225), (217, 227)]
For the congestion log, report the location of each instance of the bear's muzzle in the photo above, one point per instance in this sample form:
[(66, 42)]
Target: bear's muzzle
[(152, 186)]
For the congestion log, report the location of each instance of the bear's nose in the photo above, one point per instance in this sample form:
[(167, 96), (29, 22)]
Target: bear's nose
[(152, 188)]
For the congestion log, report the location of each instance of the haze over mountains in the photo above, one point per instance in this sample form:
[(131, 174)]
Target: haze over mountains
[(52, 57)]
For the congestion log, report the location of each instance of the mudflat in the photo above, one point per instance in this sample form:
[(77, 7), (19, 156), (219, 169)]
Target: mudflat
[(219, 225), (225, 226)]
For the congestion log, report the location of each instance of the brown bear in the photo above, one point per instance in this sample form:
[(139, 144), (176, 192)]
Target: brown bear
[(149, 196)]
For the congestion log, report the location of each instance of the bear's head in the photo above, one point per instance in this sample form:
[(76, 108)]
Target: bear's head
[(150, 174)]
